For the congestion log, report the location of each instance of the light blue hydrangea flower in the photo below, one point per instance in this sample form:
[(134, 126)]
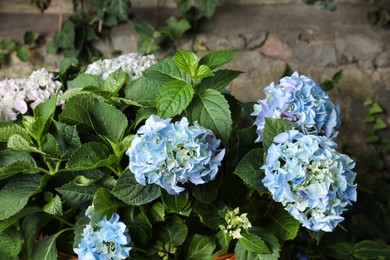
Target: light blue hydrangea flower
[(299, 99), (107, 241), (166, 154), (310, 178)]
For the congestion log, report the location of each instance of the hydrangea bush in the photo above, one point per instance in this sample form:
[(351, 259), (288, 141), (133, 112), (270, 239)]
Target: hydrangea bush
[(155, 160)]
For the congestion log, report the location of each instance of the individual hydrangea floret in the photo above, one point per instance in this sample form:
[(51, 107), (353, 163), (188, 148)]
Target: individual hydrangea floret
[(167, 154), (312, 180), (132, 63), (235, 223), (17, 94), (106, 240), (301, 100)]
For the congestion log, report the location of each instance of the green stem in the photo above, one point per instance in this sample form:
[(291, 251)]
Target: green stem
[(64, 221), (43, 170), (113, 170)]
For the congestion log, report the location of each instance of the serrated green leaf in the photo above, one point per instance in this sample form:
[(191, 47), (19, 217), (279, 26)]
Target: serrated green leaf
[(129, 191), (220, 80), (90, 156), (45, 249), (207, 7), (248, 169), (164, 71), (54, 206), (50, 145), (207, 193), (103, 204), (67, 63), (143, 91), (218, 58), (144, 113), (8, 129), (367, 249), (211, 110), (173, 98), (199, 248), (13, 162), (223, 238), (283, 225), (115, 81), (15, 193), (11, 243), (208, 215), (17, 142), (273, 127), (203, 72), (187, 61), (120, 9), (107, 120), (66, 37), (253, 243), (84, 80), (158, 212), (76, 195), (15, 218), (175, 203), (174, 28), (67, 139), (173, 230)]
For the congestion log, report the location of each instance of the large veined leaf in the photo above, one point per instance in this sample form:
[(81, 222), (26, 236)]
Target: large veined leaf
[(173, 98), (218, 58), (199, 248), (253, 243), (187, 61), (249, 170), (85, 81), (90, 156), (273, 127), (76, 110), (283, 225), (115, 81), (165, 71), (175, 203), (143, 91), (15, 218), (8, 129), (13, 162), (11, 243), (15, 193), (67, 139), (131, 192), (103, 205), (173, 230), (211, 110), (17, 142), (367, 249), (207, 7), (220, 80), (77, 195)]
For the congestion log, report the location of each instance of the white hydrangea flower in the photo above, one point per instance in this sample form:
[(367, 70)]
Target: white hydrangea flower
[(17, 94), (235, 223), (132, 63)]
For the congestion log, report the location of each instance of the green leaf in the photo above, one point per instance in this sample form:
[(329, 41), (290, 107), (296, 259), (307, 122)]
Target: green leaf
[(380, 124), (67, 63), (54, 207), (203, 72), (164, 71), (248, 169), (218, 58), (316, 235), (220, 80), (175, 203), (11, 243), (90, 156), (337, 77), (187, 61), (341, 250), (80, 224), (7, 44), (246, 137), (148, 45), (273, 127), (8, 129), (283, 225), (208, 214), (158, 212), (173, 98), (115, 81), (23, 53), (207, 193), (50, 146), (207, 7), (45, 249), (66, 37), (144, 113), (327, 85), (17, 142), (199, 248), (13, 162), (173, 230), (103, 205), (223, 238), (367, 249), (107, 120), (375, 108), (143, 91), (119, 8), (174, 28), (84, 80), (76, 111), (77, 195), (15, 193), (129, 191), (143, 28), (211, 110), (15, 218), (30, 37), (67, 139), (253, 243)]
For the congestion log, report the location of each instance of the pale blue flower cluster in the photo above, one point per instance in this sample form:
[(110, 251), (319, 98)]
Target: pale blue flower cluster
[(299, 99), (310, 178), (107, 241), (167, 154)]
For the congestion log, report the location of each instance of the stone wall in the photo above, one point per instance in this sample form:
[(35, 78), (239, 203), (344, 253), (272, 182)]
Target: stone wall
[(267, 35)]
